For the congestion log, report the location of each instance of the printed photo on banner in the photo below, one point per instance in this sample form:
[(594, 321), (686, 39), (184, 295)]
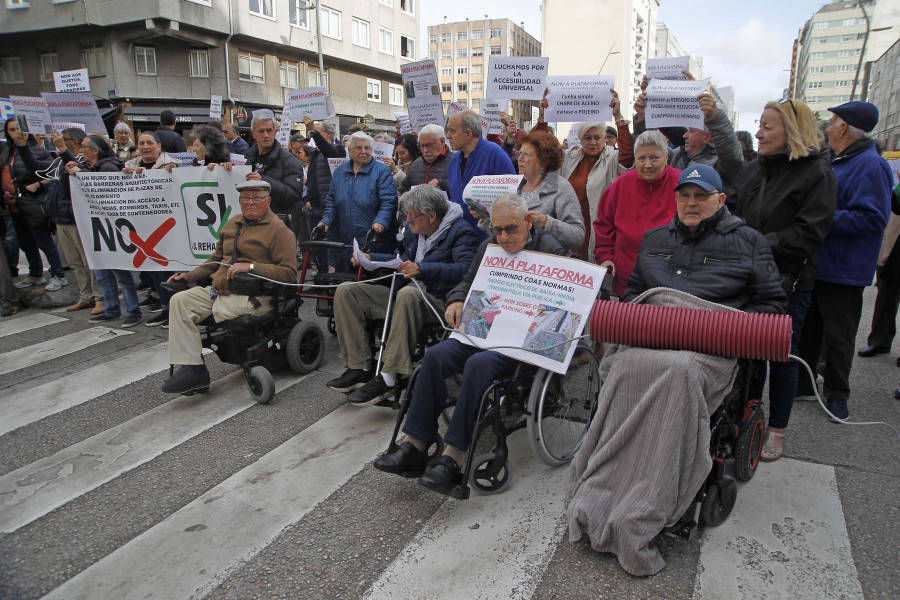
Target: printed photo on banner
[(575, 98), (517, 78), (674, 103), (154, 220), (672, 69), (72, 81), (482, 190), (78, 107), (423, 94), (307, 102), (540, 302), (32, 114)]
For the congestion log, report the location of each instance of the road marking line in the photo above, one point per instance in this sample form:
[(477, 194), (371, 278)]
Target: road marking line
[(27, 323), (51, 349)]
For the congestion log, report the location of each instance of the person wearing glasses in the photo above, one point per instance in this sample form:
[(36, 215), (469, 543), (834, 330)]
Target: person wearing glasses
[(431, 167), (255, 241), (788, 194), (513, 229), (438, 248)]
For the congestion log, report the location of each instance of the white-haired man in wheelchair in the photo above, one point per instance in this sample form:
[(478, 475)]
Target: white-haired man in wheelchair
[(255, 241), (513, 230)]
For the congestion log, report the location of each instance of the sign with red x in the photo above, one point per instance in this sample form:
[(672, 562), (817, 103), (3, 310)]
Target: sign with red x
[(146, 247)]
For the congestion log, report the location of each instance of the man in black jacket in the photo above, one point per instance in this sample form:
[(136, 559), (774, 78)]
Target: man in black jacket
[(168, 139), (431, 167), (272, 163), (318, 173)]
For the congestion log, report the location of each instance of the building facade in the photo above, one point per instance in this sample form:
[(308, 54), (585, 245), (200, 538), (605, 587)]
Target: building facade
[(149, 55), (667, 46), (885, 94), (461, 52)]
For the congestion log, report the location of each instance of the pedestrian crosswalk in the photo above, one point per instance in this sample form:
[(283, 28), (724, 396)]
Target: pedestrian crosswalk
[(500, 546)]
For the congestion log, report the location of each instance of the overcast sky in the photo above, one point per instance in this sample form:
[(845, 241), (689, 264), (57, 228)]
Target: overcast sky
[(746, 45)]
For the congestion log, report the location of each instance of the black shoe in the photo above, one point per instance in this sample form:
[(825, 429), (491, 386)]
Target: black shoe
[(187, 379), (155, 308), (132, 320), (8, 309), (442, 476), (143, 286), (102, 318), (371, 393), (867, 351), (350, 380), (160, 319), (149, 301), (838, 408), (406, 461)]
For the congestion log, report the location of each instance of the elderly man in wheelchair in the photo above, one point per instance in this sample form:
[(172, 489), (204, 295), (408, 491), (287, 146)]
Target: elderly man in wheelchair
[(513, 230), (255, 242), (647, 454)]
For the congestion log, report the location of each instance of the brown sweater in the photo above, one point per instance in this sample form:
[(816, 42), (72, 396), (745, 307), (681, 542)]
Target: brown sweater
[(266, 242)]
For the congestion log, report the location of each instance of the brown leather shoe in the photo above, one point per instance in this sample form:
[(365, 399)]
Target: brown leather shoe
[(80, 305), (98, 308)]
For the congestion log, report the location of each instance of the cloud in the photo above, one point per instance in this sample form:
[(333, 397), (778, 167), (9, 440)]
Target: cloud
[(751, 45)]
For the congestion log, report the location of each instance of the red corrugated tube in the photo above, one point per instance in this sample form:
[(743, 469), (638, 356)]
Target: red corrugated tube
[(723, 333)]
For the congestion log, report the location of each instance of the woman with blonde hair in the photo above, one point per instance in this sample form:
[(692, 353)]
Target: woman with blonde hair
[(788, 194)]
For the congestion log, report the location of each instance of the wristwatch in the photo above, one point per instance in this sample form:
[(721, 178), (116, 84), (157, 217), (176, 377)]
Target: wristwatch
[(251, 267)]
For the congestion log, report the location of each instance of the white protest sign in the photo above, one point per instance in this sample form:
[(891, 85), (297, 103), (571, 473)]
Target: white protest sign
[(381, 151), (237, 159), (572, 138), (517, 78), (329, 107), (403, 119), (72, 81), (371, 265), (482, 190), (485, 125), (334, 163), (265, 111), (535, 115), (491, 111), (579, 98), (674, 103), (215, 106), (188, 159), (60, 125), (423, 94), (668, 68), (32, 114), (283, 135), (78, 107), (533, 300), (154, 220), (307, 102), (451, 110)]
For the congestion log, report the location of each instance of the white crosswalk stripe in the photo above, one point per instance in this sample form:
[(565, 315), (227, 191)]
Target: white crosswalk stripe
[(44, 351), (27, 323)]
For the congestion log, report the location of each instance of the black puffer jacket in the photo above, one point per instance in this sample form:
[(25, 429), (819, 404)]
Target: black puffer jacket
[(723, 261), (110, 164), (792, 203), (59, 200), (318, 179), (421, 172), (283, 172), (29, 204)]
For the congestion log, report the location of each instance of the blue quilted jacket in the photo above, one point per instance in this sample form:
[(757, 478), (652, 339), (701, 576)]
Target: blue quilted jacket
[(357, 200)]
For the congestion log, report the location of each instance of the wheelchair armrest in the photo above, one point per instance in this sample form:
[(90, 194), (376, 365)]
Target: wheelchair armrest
[(176, 286)]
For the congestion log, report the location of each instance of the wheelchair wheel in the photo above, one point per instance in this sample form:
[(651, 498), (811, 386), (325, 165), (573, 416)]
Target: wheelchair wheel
[(560, 408), (718, 501), (488, 477), (305, 347), (261, 384), (749, 444)]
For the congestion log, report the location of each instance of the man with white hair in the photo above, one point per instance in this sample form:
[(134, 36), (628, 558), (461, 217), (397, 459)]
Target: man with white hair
[(431, 167), (275, 165)]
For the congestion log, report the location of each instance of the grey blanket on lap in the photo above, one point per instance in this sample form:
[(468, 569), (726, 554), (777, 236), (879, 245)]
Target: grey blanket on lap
[(646, 453)]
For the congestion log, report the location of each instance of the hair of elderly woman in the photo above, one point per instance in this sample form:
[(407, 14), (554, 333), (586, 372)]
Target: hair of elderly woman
[(99, 143), (411, 144), (511, 202), (432, 129), (213, 141), (651, 137), (384, 138), (585, 127), (549, 152), (470, 120), (122, 127), (799, 127), (360, 135), (426, 200)]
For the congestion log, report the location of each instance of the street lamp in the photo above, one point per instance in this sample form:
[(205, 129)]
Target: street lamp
[(862, 52), (318, 38)]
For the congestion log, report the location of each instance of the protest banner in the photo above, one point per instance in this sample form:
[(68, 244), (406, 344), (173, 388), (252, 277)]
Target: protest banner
[(334, 163), (581, 99), (237, 159), (573, 138), (674, 103), (32, 114), (531, 300), (283, 135), (517, 78), (492, 111), (188, 159), (329, 108), (671, 69), (381, 151), (77, 107), (215, 106), (482, 190), (307, 102), (535, 116), (423, 94), (6, 109), (60, 125), (403, 119), (154, 220), (452, 109), (72, 81)]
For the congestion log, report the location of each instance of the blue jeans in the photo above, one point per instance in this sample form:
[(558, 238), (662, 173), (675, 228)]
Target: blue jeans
[(430, 390), (109, 281), (783, 386), (45, 243)]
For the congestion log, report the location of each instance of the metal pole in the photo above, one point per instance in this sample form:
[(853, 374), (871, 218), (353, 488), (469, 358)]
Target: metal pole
[(319, 40), (862, 52)]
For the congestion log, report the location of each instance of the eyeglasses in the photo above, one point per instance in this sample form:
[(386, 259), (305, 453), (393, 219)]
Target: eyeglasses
[(254, 200), (791, 102), (427, 146), (526, 154), (412, 218), (509, 229)]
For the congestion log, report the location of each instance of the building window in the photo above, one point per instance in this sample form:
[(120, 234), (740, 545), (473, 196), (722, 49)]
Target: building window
[(478, 34), (262, 8), (289, 74), (814, 84), (462, 52), (313, 80), (360, 32), (462, 36), (251, 67), (812, 55), (49, 64), (848, 38), (477, 86), (842, 83), (11, 69), (433, 55), (385, 40), (820, 40), (203, 2), (446, 37), (446, 53), (395, 94), (446, 87), (812, 99), (331, 23), (846, 68), (821, 25), (298, 13), (432, 39), (476, 69), (408, 6), (861, 36), (93, 56), (145, 60), (816, 70), (495, 33), (495, 50), (462, 70), (387, 2), (446, 71), (16, 3), (462, 87), (477, 51), (199, 63), (839, 99), (373, 90), (407, 47), (446, 105), (476, 103), (848, 23)]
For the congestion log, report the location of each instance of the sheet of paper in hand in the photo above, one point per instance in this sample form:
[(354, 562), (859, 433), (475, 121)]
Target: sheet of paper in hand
[(482, 190), (517, 78), (371, 265), (674, 103), (307, 102), (582, 99), (423, 94), (668, 68)]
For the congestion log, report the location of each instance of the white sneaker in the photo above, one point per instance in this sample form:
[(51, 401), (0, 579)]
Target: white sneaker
[(56, 283), (30, 281)]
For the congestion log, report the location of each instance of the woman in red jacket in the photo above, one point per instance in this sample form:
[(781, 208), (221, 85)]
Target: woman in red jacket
[(637, 201)]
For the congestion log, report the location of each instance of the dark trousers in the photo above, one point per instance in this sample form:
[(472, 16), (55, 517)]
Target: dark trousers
[(19, 237), (156, 279), (833, 319), (784, 375), (884, 319), (479, 368)]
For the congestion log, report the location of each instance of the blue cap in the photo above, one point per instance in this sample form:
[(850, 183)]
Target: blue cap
[(862, 115), (702, 175)]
